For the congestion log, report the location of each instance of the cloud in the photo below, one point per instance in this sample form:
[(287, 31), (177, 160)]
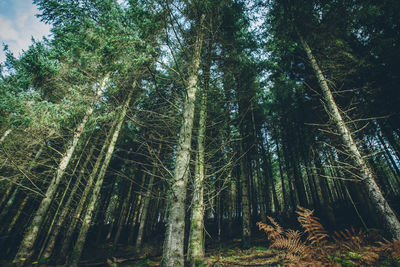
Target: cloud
[(16, 31), (7, 32)]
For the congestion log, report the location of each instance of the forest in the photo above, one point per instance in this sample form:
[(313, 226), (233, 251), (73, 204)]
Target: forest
[(203, 133)]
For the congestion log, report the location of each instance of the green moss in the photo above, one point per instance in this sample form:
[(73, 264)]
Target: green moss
[(354, 255), (261, 248), (342, 261)]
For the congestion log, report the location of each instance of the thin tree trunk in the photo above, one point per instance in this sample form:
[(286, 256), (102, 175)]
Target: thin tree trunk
[(388, 134), (231, 202), (389, 156), (284, 201), (20, 209), (136, 213), (246, 222), (258, 182), (382, 208), (289, 173), (87, 219), (122, 218), (26, 248), (174, 236), (146, 203), (78, 210), (67, 207), (11, 186)]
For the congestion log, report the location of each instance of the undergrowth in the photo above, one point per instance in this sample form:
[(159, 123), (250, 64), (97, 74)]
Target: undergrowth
[(313, 246)]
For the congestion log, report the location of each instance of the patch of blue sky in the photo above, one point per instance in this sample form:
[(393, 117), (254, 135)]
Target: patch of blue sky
[(18, 24)]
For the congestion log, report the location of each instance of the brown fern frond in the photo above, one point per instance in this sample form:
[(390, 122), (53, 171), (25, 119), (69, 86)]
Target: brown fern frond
[(396, 250), (291, 244), (316, 233), (391, 247), (350, 245), (272, 231), (350, 239), (369, 257), (278, 228)]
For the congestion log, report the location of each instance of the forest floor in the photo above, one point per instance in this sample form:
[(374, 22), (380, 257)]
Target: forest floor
[(229, 253), (218, 254), (221, 254)]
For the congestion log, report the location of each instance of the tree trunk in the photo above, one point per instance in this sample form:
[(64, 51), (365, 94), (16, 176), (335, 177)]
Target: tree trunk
[(136, 214), (11, 186), (122, 217), (66, 208), (16, 217), (78, 210), (196, 234), (174, 236), (231, 202), (389, 156), (246, 222), (382, 208), (146, 203), (87, 219), (284, 201), (28, 242)]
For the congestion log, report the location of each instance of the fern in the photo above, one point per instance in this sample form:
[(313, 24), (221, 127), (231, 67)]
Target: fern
[(290, 248), (392, 248), (316, 234), (350, 239), (350, 247)]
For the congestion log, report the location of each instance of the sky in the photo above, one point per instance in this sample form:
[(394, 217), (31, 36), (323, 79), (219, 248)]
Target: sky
[(18, 24)]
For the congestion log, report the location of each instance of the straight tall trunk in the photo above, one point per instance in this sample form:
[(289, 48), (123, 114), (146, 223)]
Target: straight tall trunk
[(121, 222), (231, 202), (389, 156), (146, 203), (16, 216), (246, 221), (382, 208), (78, 210), (66, 208), (289, 172), (196, 234), (26, 248), (284, 201), (390, 137), (174, 236), (136, 213), (87, 219), (258, 178)]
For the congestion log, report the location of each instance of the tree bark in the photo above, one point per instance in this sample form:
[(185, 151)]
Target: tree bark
[(174, 236), (382, 208), (196, 234)]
